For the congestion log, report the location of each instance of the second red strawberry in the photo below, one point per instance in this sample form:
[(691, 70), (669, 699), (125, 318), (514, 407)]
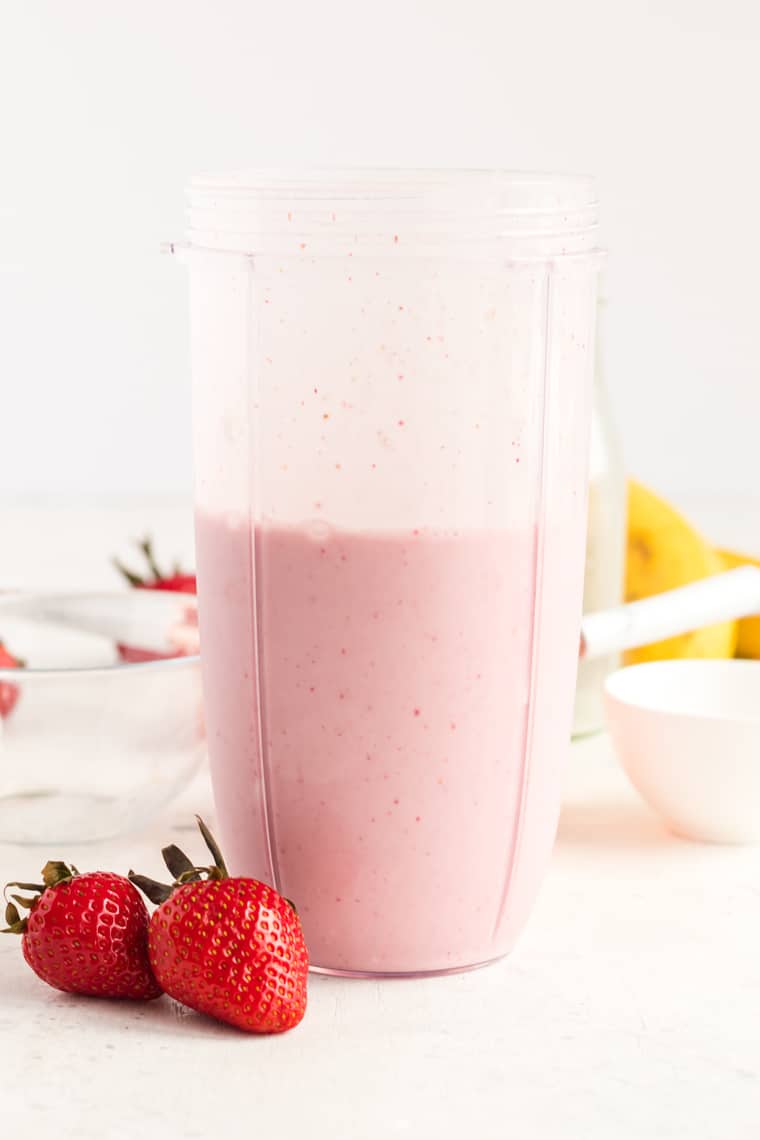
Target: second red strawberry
[(232, 948)]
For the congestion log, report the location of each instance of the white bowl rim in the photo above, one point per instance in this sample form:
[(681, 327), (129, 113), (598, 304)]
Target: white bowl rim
[(657, 701)]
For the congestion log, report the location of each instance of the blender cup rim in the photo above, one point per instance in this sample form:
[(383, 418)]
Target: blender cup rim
[(429, 187), (313, 212)]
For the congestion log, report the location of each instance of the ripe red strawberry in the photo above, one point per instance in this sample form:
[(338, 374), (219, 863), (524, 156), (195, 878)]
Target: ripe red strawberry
[(85, 934), (177, 582), (232, 948), (9, 693)]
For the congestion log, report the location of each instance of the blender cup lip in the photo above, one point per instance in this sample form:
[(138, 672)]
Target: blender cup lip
[(433, 186), (523, 216)]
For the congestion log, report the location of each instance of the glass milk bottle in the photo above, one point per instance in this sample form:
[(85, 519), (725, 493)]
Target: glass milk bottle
[(605, 544), (392, 379)]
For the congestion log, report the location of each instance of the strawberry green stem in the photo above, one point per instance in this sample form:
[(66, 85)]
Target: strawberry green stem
[(130, 576), (157, 892), (214, 849), (146, 546), (182, 869)]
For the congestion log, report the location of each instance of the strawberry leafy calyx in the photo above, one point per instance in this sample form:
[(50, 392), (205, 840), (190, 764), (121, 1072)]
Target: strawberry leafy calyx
[(155, 576), (182, 869), (54, 874)]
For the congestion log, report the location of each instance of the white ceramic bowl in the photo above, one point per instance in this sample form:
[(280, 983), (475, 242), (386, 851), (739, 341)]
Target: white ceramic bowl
[(688, 735)]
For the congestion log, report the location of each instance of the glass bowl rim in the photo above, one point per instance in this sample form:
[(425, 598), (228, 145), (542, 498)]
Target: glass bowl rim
[(18, 674)]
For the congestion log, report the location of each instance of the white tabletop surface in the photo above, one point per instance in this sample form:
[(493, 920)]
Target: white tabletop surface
[(629, 1010)]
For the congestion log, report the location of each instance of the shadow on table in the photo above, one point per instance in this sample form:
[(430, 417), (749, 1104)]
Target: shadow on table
[(611, 824), (24, 996), (161, 1017)]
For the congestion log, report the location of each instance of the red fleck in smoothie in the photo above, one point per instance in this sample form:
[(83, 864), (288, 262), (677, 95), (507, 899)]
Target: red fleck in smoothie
[(367, 699)]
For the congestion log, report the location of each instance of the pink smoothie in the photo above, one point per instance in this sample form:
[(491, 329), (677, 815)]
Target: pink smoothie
[(367, 702)]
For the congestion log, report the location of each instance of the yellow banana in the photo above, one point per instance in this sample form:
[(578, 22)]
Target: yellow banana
[(748, 643), (665, 551)]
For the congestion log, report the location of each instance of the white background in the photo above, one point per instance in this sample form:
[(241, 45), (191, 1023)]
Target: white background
[(106, 109)]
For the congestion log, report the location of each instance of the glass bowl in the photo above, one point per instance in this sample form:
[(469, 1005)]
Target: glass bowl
[(93, 747)]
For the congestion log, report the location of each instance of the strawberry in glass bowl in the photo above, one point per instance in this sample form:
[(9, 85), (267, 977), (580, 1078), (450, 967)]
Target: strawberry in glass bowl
[(9, 693), (184, 636)]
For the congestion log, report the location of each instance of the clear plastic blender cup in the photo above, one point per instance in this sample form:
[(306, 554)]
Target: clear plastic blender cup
[(391, 400)]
